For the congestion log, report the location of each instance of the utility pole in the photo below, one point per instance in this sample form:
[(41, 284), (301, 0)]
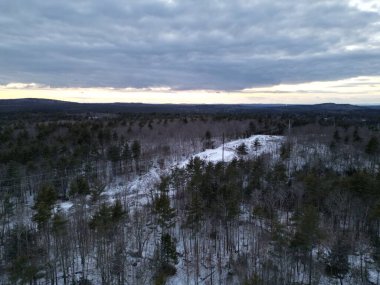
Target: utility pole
[(288, 160), (223, 147)]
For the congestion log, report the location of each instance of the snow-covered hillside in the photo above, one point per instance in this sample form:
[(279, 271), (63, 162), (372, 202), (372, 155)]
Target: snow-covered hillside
[(256, 145), (138, 191)]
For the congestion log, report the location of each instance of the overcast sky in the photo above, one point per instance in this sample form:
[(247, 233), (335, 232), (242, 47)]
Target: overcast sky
[(223, 46)]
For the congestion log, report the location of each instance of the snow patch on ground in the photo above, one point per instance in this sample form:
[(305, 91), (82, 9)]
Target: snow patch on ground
[(256, 145), (138, 191), (63, 206)]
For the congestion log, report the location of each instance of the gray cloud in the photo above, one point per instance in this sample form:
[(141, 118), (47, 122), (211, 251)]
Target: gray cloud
[(187, 44)]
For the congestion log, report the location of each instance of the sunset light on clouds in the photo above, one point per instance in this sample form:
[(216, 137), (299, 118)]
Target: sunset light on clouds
[(360, 91), (154, 51)]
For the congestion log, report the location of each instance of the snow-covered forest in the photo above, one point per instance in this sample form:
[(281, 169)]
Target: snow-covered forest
[(254, 199)]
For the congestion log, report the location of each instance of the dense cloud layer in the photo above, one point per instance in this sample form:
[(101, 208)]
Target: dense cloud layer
[(187, 44)]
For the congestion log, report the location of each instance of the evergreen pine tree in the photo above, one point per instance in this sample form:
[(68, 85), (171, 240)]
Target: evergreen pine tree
[(136, 152), (242, 149), (79, 186), (372, 146), (44, 204), (165, 213), (168, 250)]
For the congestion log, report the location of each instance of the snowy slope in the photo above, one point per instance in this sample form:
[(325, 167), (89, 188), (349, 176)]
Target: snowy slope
[(138, 191), (266, 144)]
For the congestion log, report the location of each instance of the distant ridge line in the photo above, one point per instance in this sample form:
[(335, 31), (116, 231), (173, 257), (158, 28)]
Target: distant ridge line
[(50, 105)]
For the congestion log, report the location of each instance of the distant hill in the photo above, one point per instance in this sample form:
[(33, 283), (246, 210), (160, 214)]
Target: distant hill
[(35, 105), (48, 106)]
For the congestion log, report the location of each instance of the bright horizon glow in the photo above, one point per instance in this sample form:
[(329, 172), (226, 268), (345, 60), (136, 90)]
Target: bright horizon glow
[(358, 90)]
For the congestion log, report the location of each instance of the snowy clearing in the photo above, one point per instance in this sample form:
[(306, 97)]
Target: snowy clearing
[(137, 192), (139, 189), (256, 145)]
